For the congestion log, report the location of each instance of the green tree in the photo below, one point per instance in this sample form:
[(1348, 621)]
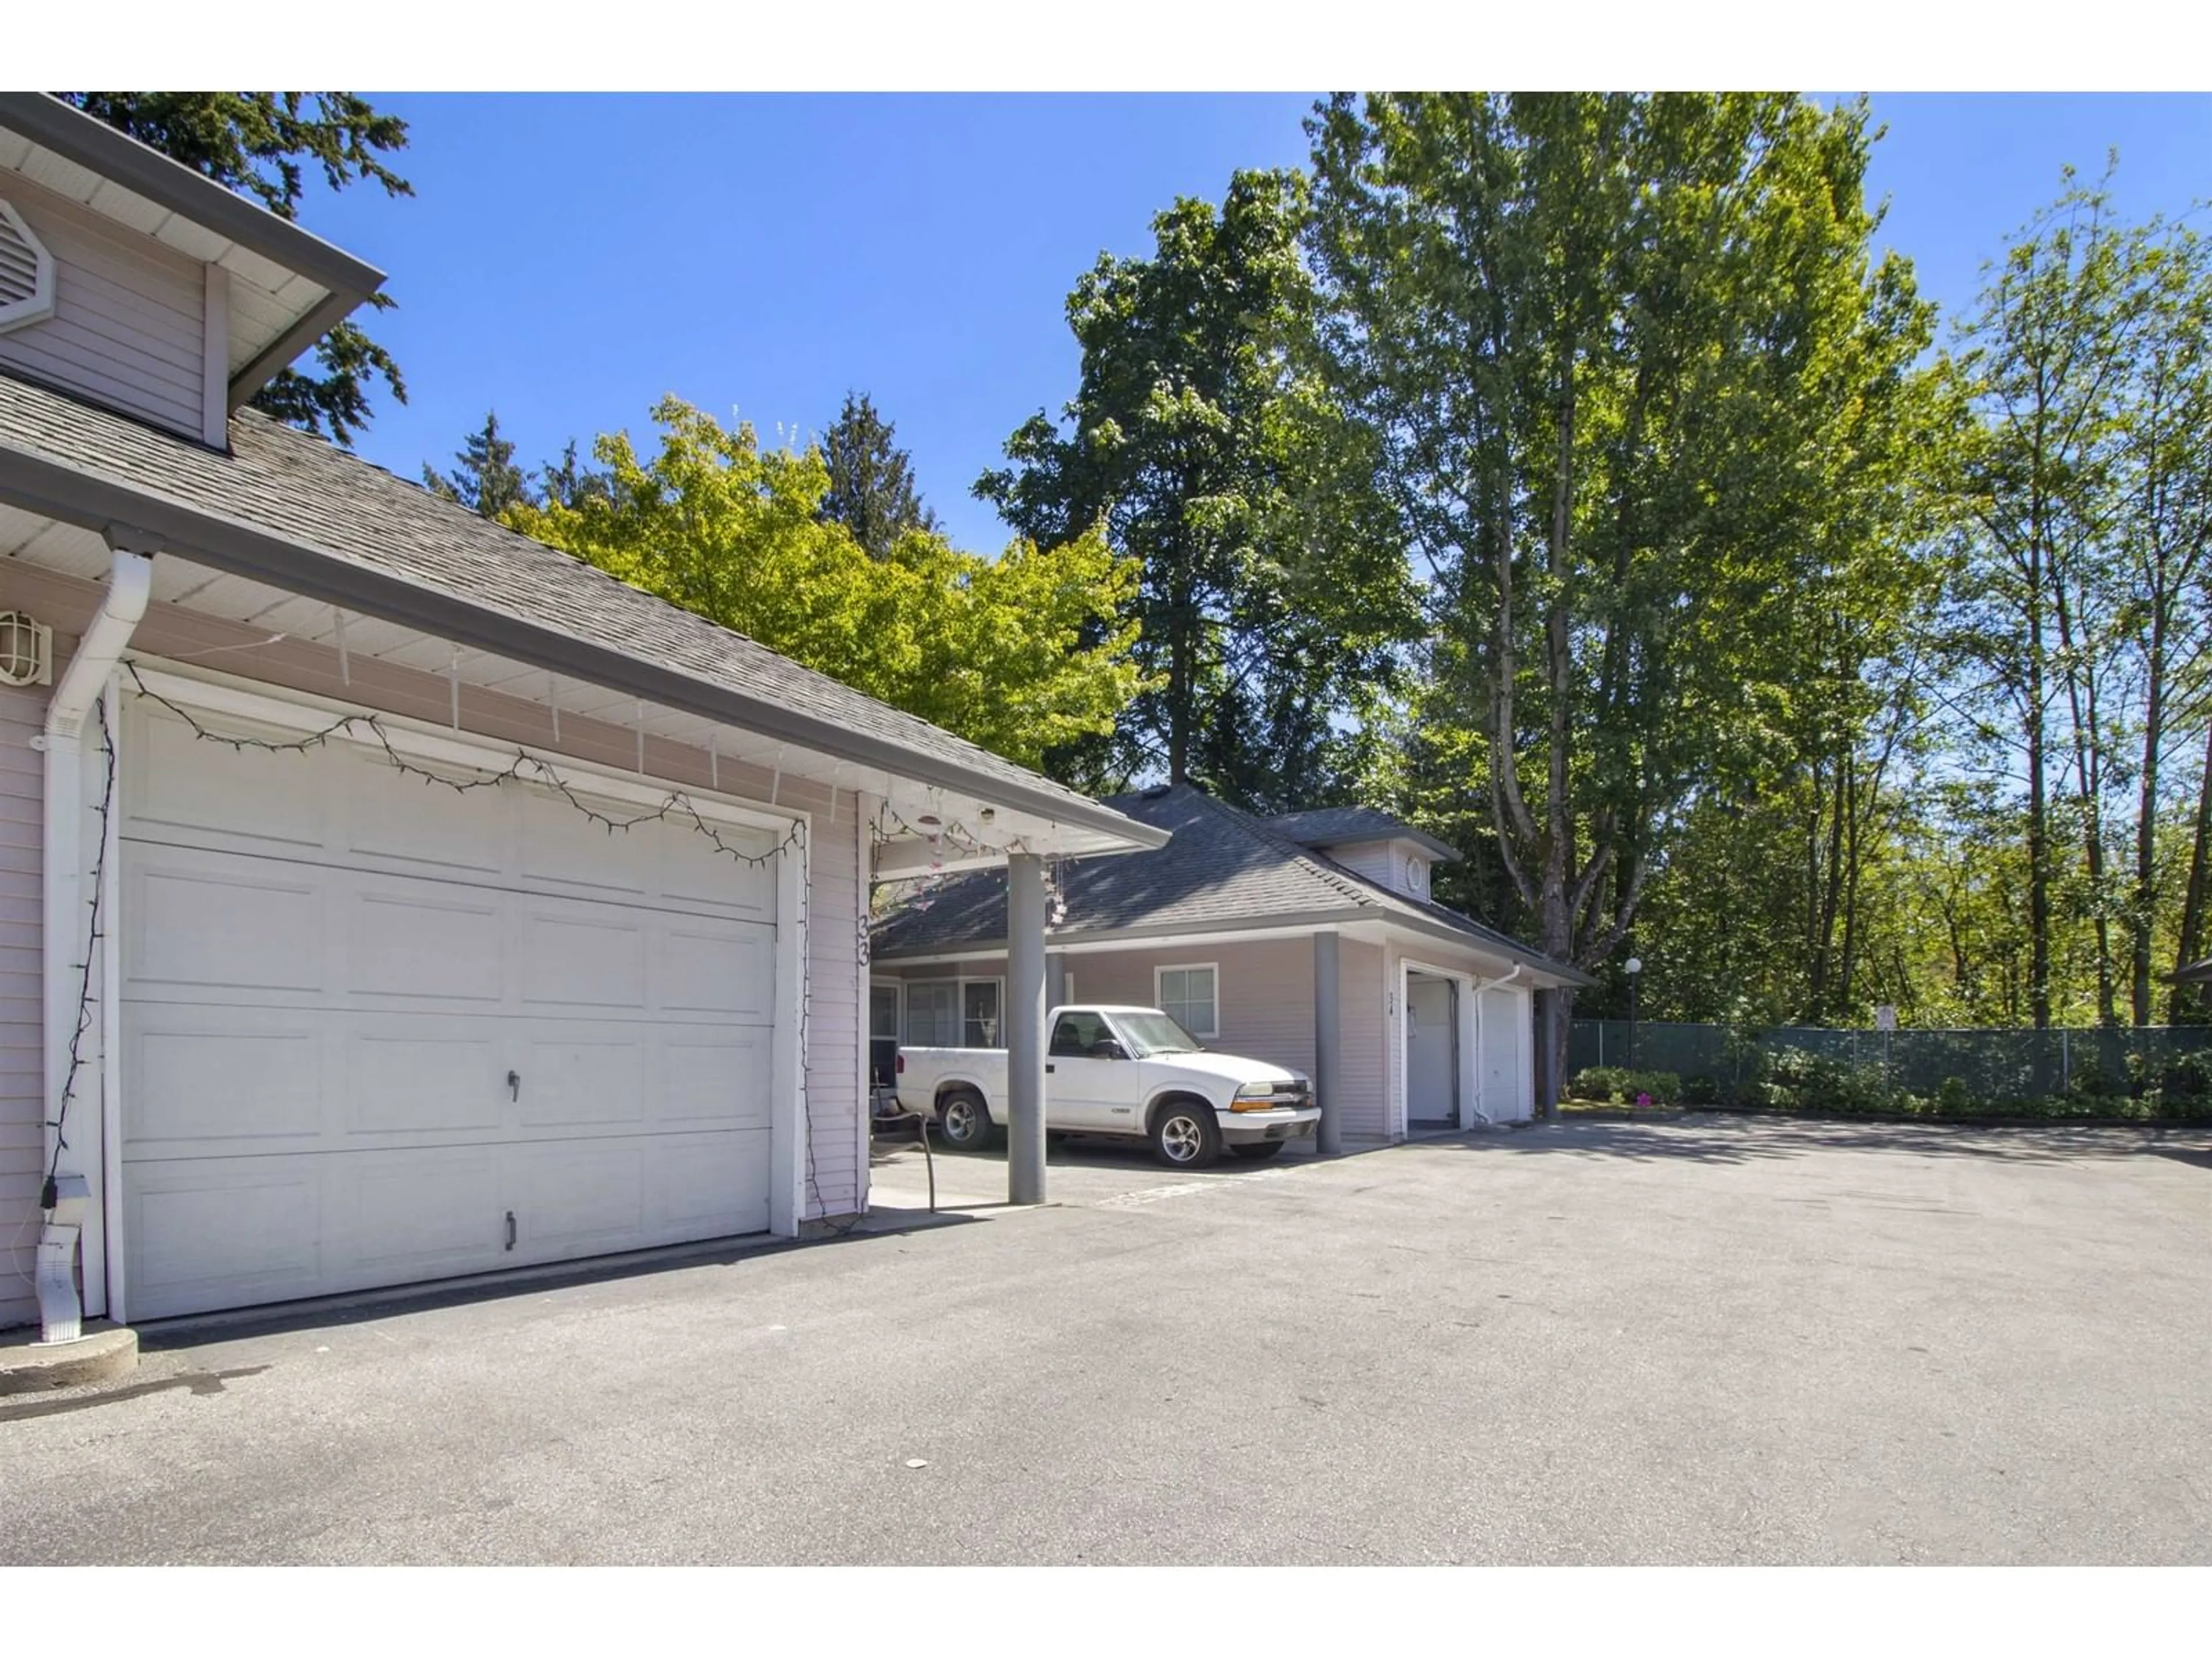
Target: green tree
[(871, 491), (1275, 596), (485, 479), (1615, 347), (261, 144), (1018, 654)]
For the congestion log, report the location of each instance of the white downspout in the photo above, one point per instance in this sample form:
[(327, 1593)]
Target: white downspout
[(67, 938)]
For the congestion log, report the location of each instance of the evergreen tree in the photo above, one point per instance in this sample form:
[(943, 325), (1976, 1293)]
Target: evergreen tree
[(258, 144), (872, 490), (486, 481)]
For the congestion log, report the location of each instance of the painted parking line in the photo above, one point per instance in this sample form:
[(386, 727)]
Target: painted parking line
[(1185, 1189)]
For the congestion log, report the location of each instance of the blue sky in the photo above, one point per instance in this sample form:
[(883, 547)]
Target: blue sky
[(567, 260)]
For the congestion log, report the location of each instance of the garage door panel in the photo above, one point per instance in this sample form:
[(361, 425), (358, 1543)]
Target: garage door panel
[(717, 970), (417, 1214), (171, 777), (217, 1084), (220, 1232), (441, 946), (575, 1082), (403, 1078), (240, 929), (395, 816), (587, 957), (708, 1185), (560, 844), (574, 1198), (721, 1077), (693, 870)]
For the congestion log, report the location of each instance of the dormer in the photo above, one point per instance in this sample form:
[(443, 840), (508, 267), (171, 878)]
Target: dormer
[(132, 282), (1389, 852)]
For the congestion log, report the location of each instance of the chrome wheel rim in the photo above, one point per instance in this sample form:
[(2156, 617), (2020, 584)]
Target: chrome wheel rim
[(1181, 1138), (959, 1120)]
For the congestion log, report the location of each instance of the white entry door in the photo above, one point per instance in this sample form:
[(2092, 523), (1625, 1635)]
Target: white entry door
[(1506, 1022), (375, 1031), (1431, 1052)]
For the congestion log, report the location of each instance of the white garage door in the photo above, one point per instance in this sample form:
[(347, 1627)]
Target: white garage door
[(375, 1031)]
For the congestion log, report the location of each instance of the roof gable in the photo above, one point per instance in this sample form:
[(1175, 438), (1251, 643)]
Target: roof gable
[(1224, 869)]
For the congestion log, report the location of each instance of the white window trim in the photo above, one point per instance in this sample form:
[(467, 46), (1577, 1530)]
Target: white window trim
[(1159, 998), (983, 979)]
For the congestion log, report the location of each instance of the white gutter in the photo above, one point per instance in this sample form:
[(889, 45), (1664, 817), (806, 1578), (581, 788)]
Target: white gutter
[(68, 861)]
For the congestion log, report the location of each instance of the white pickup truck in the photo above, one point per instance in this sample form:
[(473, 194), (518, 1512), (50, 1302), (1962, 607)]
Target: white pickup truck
[(1134, 1072)]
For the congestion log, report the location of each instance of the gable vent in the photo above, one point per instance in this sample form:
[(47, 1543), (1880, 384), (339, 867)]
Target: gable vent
[(27, 273)]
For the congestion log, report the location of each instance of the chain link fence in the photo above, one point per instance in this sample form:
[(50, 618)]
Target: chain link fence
[(1992, 1065)]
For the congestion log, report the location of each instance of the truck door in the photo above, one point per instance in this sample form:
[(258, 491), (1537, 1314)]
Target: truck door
[(1083, 1089)]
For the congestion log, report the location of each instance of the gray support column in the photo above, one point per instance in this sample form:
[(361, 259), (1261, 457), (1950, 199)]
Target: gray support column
[(1055, 979), (1328, 1045), (1025, 1029)]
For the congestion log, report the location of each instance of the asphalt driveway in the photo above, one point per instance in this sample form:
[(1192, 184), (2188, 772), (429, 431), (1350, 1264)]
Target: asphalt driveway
[(1598, 1343)]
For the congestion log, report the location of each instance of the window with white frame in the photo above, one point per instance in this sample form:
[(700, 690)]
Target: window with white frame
[(954, 1013), (1188, 996)]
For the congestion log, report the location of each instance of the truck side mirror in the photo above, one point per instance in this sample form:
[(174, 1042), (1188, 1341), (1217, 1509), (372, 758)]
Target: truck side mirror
[(1108, 1048)]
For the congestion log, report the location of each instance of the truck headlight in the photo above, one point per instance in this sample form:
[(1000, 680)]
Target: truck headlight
[(1257, 1097)]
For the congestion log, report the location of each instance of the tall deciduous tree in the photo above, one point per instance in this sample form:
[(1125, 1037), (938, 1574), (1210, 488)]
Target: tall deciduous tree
[(1640, 385), (261, 144), (1018, 654), (1274, 594), (484, 478), (872, 490)]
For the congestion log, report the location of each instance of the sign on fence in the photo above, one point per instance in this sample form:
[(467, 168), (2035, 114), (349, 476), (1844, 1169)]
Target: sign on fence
[(1885, 1018)]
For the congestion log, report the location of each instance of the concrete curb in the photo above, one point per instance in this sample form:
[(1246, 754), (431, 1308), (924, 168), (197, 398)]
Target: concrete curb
[(103, 1353)]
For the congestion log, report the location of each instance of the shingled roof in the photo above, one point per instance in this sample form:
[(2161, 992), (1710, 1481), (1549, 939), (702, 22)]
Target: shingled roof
[(1224, 869), (1340, 826), (295, 511)]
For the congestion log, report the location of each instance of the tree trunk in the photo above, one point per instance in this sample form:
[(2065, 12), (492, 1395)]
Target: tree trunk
[(2139, 906), (2186, 1003)]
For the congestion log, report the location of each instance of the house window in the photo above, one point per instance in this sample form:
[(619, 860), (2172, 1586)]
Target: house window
[(979, 1013), (933, 1013), (953, 1013), (884, 1009), (1188, 996)]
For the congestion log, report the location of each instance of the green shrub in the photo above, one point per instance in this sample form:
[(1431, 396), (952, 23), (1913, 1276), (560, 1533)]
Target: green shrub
[(1620, 1086), (2187, 1077), (1700, 1090), (1593, 1083), (1952, 1098)]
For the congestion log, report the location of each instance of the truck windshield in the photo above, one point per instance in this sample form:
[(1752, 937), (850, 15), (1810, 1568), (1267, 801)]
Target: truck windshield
[(1154, 1033)]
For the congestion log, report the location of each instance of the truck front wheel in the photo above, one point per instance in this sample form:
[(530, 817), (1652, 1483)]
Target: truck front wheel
[(965, 1120), (1185, 1135)]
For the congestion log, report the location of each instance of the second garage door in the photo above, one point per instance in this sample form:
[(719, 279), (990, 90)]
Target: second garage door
[(375, 1031)]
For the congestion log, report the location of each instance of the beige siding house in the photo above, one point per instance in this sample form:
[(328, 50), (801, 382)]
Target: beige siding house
[(1260, 935), (384, 896)]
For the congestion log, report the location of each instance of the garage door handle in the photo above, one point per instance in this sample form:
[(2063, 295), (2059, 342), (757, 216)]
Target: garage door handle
[(510, 1230), (1047, 1066), (514, 1085)]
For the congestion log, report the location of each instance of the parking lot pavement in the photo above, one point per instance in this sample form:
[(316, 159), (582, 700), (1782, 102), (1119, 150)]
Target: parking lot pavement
[(1697, 1341), (1078, 1172)]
